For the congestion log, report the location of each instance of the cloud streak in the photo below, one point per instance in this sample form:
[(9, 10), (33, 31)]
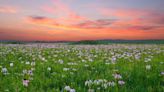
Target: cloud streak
[(96, 24), (135, 19), (8, 9), (63, 12), (86, 24), (49, 22), (142, 27)]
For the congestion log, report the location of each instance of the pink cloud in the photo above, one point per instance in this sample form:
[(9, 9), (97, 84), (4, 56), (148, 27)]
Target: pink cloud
[(63, 12), (57, 8), (8, 9), (134, 19), (47, 9), (96, 24), (122, 13), (83, 25)]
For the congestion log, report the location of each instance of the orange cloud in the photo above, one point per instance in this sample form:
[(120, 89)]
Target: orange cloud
[(48, 22), (131, 19), (100, 24), (56, 35), (8, 9), (84, 25), (96, 24), (71, 19), (39, 20)]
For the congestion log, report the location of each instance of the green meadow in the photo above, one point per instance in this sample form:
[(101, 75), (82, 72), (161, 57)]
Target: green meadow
[(81, 68)]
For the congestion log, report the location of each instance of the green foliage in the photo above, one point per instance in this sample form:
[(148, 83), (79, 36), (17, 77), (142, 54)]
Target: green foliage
[(50, 72)]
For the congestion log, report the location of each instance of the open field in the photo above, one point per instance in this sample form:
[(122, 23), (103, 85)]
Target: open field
[(81, 68)]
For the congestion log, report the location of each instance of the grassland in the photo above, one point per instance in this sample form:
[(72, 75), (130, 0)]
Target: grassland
[(81, 68)]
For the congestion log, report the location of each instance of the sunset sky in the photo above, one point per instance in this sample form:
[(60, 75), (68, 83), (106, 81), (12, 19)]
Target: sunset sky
[(57, 20)]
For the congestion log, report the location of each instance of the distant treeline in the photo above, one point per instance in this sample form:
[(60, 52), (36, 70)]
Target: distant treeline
[(91, 42), (12, 42), (119, 42), (26, 42)]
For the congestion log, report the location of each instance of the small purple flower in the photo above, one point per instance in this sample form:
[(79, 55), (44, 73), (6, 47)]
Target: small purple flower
[(25, 82), (72, 90), (162, 73), (121, 82), (4, 71), (30, 72), (117, 76)]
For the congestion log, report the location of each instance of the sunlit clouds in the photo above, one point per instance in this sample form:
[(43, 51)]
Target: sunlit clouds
[(81, 20), (84, 25), (8, 9)]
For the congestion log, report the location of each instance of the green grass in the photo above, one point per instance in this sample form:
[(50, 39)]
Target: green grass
[(88, 64)]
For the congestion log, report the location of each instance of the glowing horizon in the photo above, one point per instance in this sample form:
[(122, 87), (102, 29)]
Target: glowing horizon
[(72, 20)]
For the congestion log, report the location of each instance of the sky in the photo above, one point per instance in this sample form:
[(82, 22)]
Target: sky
[(74, 20)]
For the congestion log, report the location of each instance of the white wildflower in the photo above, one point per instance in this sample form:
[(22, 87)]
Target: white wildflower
[(120, 82), (43, 59), (4, 71), (117, 76), (148, 67), (49, 68), (27, 63), (105, 85), (91, 60), (86, 65), (32, 63), (65, 69), (60, 61), (88, 83), (162, 73), (11, 64), (67, 88), (91, 90), (72, 90), (161, 63), (111, 83), (24, 71)]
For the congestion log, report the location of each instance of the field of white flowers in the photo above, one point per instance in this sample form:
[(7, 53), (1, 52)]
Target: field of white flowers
[(81, 68)]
